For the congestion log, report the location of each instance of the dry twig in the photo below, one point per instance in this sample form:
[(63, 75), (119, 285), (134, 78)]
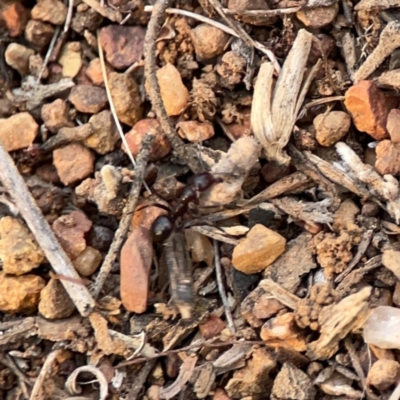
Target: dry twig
[(55, 254), (221, 289), (124, 224)]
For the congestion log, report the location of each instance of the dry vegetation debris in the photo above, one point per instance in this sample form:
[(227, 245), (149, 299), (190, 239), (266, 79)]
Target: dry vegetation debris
[(199, 199)]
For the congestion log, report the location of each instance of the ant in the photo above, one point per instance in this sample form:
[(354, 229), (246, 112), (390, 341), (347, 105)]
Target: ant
[(167, 231)]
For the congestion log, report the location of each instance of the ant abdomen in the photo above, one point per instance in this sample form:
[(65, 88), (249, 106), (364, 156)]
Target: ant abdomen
[(161, 228)]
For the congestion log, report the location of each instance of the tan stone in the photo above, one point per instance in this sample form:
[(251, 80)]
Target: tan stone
[(282, 331), (261, 247), (53, 11), (38, 34), (393, 125), (55, 302), (19, 251), (383, 374), (195, 131), (126, 96), (18, 131), (161, 146), (88, 99), (212, 327), (20, 294), (17, 57), (70, 230), (55, 115), (88, 261), (105, 133), (387, 157), (318, 17), (173, 92), (391, 260), (15, 17), (94, 72), (253, 379), (70, 59), (73, 162), (332, 127), (208, 41), (368, 108)]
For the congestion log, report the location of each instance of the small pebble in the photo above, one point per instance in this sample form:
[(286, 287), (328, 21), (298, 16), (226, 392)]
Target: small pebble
[(88, 261), (161, 145), (17, 57), (100, 237), (212, 327), (53, 11), (18, 131), (283, 331), (273, 171), (368, 108), (242, 127), (123, 45), (73, 162), (20, 294), (55, 115), (195, 131), (71, 59), (38, 33), (88, 99), (126, 96), (332, 127), (94, 73), (70, 231), (55, 302), (318, 17), (36, 65), (19, 251), (393, 125), (105, 133), (174, 93), (261, 247), (383, 374), (15, 17), (387, 157), (391, 260), (382, 328), (208, 41)]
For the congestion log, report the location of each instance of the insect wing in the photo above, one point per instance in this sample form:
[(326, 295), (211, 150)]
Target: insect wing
[(180, 272)]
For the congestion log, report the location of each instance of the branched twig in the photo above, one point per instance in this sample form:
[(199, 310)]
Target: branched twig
[(55, 254), (22, 379), (123, 228), (221, 289), (183, 152)]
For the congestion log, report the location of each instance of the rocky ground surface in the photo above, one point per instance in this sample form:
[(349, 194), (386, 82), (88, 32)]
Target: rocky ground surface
[(281, 277)]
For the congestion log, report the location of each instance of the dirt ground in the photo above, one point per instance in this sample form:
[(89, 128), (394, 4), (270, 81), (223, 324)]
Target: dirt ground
[(200, 199)]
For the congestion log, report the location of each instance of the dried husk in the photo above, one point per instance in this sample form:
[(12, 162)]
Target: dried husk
[(274, 113)]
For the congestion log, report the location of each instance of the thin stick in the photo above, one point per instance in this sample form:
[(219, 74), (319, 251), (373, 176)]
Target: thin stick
[(183, 152), (48, 54), (224, 28), (55, 254), (46, 367), (22, 379), (124, 224), (221, 288), (112, 107)]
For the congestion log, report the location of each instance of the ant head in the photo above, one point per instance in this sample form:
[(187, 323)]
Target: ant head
[(204, 180), (161, 228)]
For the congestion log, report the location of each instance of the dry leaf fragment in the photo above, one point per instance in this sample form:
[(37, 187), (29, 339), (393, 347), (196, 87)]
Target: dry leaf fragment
[(136, 258), (273, 115), (337, 321), (185, 373)]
